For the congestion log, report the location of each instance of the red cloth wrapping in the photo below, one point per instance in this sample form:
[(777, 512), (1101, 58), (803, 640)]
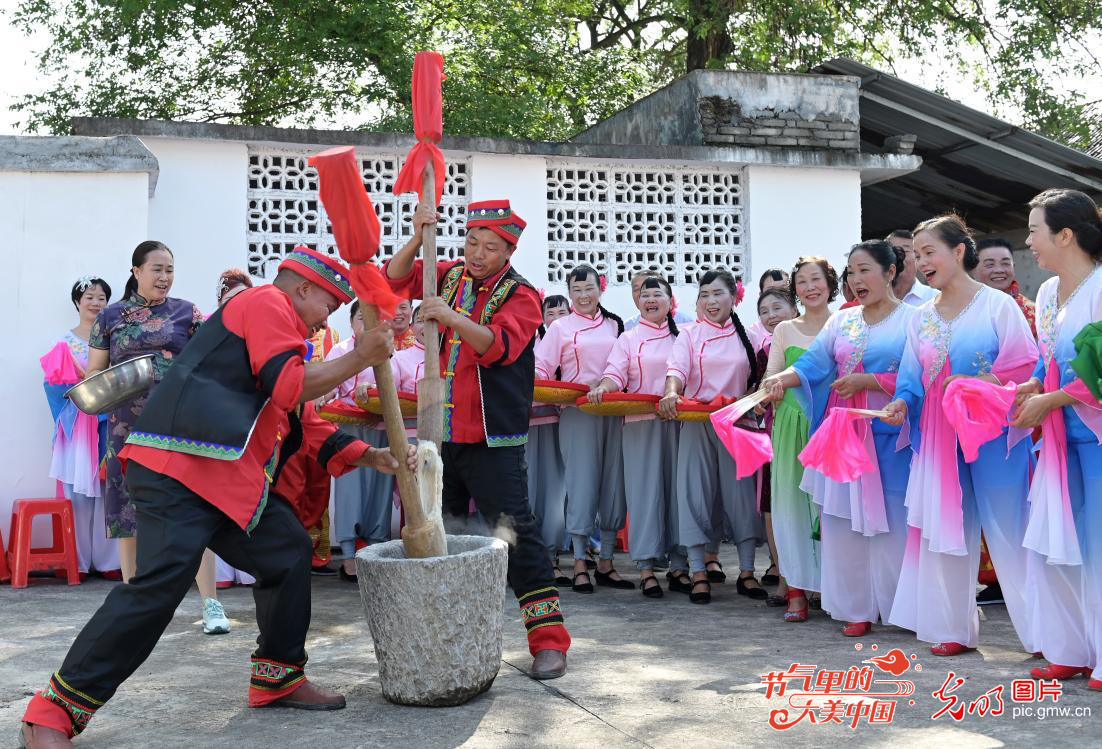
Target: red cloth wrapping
[(837, 449), (751, 450), (355, 225), (978, 411), (428, 127)]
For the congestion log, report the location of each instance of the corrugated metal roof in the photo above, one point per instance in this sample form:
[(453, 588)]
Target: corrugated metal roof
[(974, 163)]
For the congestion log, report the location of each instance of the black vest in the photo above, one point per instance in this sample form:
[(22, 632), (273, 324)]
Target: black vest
[(209, 400), (506, 389)]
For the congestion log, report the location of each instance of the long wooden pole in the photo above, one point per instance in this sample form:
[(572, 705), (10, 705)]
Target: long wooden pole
[(418, 535), (430, 389)]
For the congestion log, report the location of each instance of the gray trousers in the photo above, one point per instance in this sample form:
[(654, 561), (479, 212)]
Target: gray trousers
[(594, 464), (712, 504), (546, 485), (362, 500), (650, 464)]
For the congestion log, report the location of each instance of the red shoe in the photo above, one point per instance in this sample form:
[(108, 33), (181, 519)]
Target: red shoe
[(1095, 684), (222, 585), (949, 648), (857, 629), (1063, 673), (111, 575), (800, 615)]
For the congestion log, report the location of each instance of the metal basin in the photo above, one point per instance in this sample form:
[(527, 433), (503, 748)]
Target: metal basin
[(113, 387)]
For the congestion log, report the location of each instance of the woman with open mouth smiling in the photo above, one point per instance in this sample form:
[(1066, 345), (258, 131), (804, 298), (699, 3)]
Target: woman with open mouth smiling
[(578, 345), (637, 364), (1065, 575), (795, 517), (712, 359), (968, 330), (145, 321), (864, 522)]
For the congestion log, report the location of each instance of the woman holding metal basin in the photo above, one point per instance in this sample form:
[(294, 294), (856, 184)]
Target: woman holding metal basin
[(145, 321)]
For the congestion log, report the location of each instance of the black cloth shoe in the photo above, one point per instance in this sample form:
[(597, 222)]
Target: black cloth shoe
[(702, 596), (651, 590), (323, 571), (716, 575), (991, 595), (769, 579), (345, 576), (680, 582), (756, 592), (560, 579), (586, 587), (607, 580)]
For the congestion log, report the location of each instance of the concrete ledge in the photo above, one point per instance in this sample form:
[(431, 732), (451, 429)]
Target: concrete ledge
[(94, 126), (79, 154)]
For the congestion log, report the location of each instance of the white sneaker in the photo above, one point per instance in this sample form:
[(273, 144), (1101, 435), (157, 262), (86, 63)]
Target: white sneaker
[(214, 618)]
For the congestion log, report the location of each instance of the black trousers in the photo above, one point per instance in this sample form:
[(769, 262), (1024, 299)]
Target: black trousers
[(174, 526), (497, 479)]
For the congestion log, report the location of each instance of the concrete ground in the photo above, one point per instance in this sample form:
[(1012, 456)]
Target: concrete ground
[(643, 673)]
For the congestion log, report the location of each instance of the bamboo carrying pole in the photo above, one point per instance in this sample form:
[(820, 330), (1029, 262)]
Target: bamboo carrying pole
[(430, 389)]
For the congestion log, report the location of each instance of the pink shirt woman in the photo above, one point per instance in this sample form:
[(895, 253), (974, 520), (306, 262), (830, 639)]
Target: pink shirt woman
[(578, 347), (710, 358)]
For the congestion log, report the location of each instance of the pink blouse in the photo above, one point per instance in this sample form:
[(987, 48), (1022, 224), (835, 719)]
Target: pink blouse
[(578, 344), (347, 389), (409, 367), (638, 360), (711, 361)]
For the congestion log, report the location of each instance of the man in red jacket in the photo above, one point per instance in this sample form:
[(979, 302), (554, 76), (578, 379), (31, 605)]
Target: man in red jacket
[(488, 315), (201, 463)]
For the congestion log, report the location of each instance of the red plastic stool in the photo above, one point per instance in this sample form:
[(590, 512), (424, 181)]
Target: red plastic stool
[(62, 554), (622, 536), (5, 574)]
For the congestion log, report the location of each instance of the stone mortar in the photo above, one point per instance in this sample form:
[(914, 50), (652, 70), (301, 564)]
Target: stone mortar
[(436, 622)]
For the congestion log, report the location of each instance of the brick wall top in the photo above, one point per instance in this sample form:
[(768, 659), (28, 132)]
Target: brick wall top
[(723, 121)]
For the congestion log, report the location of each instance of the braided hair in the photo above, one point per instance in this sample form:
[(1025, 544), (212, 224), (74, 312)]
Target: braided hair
[(729, 281), (656, 282), (582, 273)]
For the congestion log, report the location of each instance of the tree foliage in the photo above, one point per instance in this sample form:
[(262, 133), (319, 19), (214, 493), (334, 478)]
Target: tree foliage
[(541, 69)]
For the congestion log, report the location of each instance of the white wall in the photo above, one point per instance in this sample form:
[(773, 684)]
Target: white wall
[(57, 228), (521, 180), (793, 212), (62, 226), (199, 211)]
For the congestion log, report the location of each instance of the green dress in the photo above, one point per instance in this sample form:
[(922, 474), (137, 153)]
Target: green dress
[(795, 516)]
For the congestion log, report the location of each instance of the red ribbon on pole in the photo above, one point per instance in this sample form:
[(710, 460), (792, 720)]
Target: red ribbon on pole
[(428, 126), (355, 225)]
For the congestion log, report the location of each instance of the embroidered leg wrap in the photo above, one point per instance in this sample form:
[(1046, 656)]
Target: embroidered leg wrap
[(61, 708), (271, 680), (541, 613)]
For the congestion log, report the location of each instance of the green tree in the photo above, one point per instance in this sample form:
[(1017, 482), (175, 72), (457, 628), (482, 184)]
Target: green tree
[(539, 69)]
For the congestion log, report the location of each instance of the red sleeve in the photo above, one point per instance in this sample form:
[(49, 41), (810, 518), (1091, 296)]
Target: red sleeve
[(513, 326), (275, 338), (335, 451), (411, 286)]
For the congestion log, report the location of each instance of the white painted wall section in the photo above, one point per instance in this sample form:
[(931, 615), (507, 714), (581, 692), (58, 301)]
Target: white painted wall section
[(792, 212), (199, 211), (58, 227)]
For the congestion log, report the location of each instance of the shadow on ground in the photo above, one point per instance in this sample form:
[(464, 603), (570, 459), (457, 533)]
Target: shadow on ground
[(643, 673)]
